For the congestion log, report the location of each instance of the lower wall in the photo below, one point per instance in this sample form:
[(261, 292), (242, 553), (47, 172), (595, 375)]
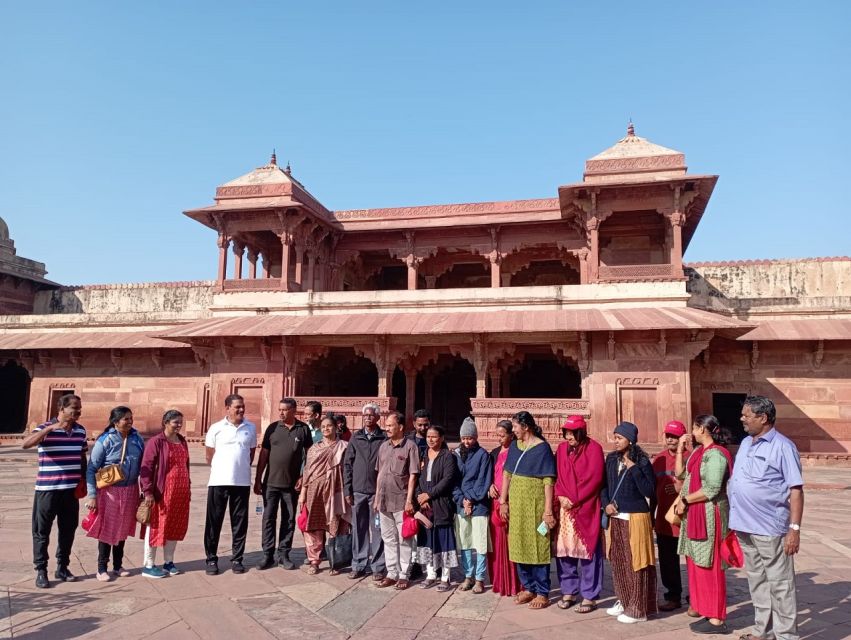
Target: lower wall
[(812, 392)]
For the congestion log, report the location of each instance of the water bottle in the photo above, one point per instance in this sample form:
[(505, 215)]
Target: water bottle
[(258, 507)]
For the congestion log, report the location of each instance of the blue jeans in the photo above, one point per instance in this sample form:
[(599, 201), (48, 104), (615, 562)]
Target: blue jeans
[(467, 564)]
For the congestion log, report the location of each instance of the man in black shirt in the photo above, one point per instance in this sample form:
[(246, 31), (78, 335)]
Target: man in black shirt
[(278, 480)]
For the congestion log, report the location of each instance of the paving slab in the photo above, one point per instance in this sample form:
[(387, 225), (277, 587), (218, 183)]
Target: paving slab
[(353, 608)]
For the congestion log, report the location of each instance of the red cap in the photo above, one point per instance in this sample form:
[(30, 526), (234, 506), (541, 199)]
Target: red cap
[(574, 422), (675, 428)]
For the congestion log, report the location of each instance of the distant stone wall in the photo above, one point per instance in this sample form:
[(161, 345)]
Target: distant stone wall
[(766, 286), (153, 297)]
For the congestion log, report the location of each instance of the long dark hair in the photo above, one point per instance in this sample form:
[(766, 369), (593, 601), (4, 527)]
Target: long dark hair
[(711, 424), (525, 419), (115, 415)]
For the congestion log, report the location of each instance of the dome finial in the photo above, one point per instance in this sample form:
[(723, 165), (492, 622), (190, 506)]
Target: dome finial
[(274, 159), (288, 170), (630, 128)]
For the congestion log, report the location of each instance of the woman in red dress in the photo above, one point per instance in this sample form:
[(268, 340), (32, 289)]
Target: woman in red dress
[(500, 568), (166, 486)]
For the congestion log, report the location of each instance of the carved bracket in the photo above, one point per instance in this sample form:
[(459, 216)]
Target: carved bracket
[(117, 358), (754, 354), (818, 354), (157, 358), (203, 354), (76, 358)]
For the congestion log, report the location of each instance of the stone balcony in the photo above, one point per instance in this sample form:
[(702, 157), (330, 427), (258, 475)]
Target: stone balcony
[(640, 272)]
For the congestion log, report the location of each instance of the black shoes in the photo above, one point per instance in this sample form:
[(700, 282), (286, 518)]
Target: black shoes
[(64, 575), (212, 568), (237, 567), (41, 580), (706, 627), (267, 563), (285, 561)]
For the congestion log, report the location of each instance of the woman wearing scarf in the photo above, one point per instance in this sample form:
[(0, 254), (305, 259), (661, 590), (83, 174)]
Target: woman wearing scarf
[(705, 512), (473, 505), (502, 571), (167, 488), (436, 538), (322, 495), (630, 483), (578, 543), (116, 504), (526, 504)]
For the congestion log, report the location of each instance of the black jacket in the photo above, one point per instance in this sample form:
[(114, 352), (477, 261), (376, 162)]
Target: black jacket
[(638, 486), (359, 474), (444, 478)]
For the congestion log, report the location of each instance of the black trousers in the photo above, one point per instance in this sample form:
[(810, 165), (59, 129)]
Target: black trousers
[(235, 500), (669, 567), (47, 506), (117, 555), (285, 500)]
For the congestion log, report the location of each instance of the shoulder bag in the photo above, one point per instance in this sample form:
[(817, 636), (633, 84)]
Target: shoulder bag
[(114, 473), (604, 519)]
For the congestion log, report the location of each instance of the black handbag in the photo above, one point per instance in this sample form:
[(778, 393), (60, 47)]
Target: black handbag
[(339, 551)]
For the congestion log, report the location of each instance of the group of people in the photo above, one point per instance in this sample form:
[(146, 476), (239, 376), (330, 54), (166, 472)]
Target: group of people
[(403, 505)]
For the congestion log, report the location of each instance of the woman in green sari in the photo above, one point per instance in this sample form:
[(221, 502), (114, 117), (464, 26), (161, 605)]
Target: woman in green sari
[(526, 504)]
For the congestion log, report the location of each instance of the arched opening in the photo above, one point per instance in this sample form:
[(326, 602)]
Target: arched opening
[(454, 384), (388, 278), (634, 237), (339, 373), (14, 397), (542, 375), (543, 273), (465, 275)]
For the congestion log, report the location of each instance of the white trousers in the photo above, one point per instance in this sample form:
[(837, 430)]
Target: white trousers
[(151, 552), (397, 550)]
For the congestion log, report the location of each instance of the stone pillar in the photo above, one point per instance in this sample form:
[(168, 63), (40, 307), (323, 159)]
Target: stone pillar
[(506, 279), (428, 380), (252, 263), (496, 382), (224, 243), (267, 264), (311, 269), (480, 363), (431, 282), (413, 268), (410, 393), (238, 249), (299, 266), (495, 270), (323, 274), (677, 220), (593, 235), (582, 254), (286, 248)]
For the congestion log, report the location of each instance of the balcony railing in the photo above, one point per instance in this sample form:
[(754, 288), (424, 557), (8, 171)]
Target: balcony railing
[(256, 284), (633, 272), (549, 413)]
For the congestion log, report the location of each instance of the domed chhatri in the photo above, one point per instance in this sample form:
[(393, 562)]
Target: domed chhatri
[(635, 158), (4, 230)]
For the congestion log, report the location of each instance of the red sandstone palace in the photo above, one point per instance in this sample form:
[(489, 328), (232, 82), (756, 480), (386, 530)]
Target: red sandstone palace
[(576, 304)]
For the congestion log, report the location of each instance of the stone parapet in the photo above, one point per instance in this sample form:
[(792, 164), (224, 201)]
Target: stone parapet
[(139, 298)]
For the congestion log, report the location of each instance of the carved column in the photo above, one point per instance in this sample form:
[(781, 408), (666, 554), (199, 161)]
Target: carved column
[(311, 268), (299, 266), (224, 243), (496, 381), (593, 226), (289, 351), (495, 261), (382, 364), (410, 392), (413, 263), (677, 219), (238, 249), (286, 248), (583, 254), (428, 383), (480, 363), (252, 263), (323, 273), (431, 282)]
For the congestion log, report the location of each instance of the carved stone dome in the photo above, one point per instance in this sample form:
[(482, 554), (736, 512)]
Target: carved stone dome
[(4, 230)]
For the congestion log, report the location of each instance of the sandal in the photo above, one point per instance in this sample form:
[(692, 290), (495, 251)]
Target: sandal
[(443, 586), (539, 602), (565, 603), (312, 570), (586, 607), (479, 587), (428, 583), (334, 572), (466, 585), (523, 597)]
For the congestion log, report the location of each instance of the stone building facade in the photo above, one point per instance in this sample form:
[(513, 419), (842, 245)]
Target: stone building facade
[(574, 304)]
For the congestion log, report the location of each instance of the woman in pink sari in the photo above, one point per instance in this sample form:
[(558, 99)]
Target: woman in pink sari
[(322, 495), (500, 568), (578, 542)]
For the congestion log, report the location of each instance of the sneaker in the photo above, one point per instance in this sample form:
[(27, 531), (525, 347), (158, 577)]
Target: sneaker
[(212, 569), (630, 620), (63, 575), (154, 572), (103, 576), (41, 580), (171, 569), (237, 567), (616, 609), (267, 563)]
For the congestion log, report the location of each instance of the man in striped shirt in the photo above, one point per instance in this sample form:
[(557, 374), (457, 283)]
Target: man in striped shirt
[(61, 464)]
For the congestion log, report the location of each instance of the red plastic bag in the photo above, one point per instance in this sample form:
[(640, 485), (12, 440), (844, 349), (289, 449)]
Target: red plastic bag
[(89, 520), (410, 526), (731, 551), (301, 520), (81, 490)]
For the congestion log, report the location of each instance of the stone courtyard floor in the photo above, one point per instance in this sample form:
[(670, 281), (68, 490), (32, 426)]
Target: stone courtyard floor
[(291, 604)]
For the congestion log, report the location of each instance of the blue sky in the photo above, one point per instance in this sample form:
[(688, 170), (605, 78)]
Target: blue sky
[(116, 117)]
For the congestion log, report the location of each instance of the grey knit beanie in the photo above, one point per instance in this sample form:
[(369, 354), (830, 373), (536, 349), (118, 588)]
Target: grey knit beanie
[(468, 428)]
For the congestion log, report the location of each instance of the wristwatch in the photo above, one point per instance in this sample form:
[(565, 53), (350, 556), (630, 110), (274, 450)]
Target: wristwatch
[(685, 500), (795, 527)]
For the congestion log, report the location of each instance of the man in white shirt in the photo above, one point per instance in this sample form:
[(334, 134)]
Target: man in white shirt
[(230, 451)]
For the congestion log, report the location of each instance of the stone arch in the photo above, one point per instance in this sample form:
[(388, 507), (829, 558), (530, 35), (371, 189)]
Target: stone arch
[(339, 372), (634, 237), (538, 373), (14, 397)]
